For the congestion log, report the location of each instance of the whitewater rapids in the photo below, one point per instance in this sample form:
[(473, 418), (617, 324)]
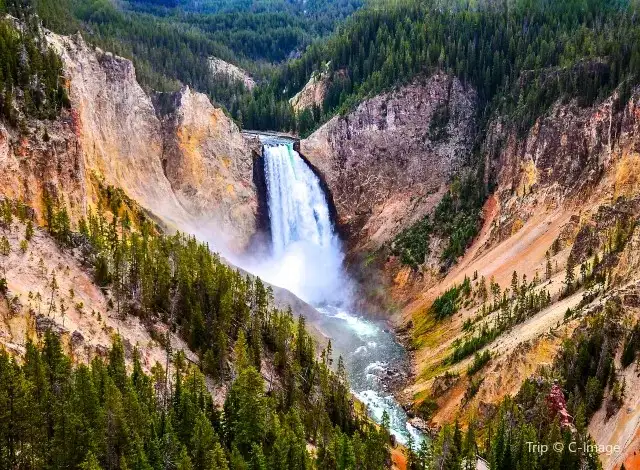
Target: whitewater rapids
[(307, 260)]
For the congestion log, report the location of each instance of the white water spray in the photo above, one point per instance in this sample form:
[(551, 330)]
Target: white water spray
[(307, 258)]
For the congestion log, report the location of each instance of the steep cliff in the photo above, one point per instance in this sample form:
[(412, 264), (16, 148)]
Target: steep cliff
[(567, 189), (565, 193), (312, 94), (209, 165), (389, 161), (49, 162), (176, 159)]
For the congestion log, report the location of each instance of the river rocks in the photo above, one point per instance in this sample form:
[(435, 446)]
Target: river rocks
[(394, 379), (388, 162), (422, 426)]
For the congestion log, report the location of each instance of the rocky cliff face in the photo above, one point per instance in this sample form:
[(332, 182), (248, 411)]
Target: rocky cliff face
[(389, 161), (209, 165), (561, 188), (221, 68), (573, 157), (313, 93), (184, 161), (49, 162)]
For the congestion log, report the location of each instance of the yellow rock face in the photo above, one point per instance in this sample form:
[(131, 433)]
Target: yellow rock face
[(186, 162)]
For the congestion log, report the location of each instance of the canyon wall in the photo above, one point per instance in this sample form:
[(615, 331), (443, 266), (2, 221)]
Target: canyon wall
[(388, 162), (209, 165), (177, 155), (561, 187)]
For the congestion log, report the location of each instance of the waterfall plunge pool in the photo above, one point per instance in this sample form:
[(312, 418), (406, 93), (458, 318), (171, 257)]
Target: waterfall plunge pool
[(307, 260)]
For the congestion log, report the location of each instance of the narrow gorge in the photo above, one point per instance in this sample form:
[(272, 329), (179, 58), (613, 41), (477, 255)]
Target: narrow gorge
[(405, 237)]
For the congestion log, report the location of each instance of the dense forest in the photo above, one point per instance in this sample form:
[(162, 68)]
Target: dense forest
[(98, 416), (31, 82), (56, 415), (170, 42), (520, 55)]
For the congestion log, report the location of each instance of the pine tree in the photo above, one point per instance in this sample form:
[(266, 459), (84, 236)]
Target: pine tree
[(482, 289), (53, 285), (90, 463), (184, 462), (203, 443), (570, 275), (29, 231)]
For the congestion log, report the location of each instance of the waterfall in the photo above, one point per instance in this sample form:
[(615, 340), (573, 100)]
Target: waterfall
[(298, 209), (307, 260), (306, 251)]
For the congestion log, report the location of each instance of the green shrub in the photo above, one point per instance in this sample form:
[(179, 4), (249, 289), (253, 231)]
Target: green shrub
[(479, 361), (412, 245)]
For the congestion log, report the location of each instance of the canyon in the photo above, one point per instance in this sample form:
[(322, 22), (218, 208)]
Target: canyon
[(386, 164), (560, 188)]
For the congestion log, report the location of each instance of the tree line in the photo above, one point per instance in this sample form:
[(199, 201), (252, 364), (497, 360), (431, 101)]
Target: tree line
[(520, 55), (31, 82), (99, 416)]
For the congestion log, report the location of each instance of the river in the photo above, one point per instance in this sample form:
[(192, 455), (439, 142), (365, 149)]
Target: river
[(307, 259)]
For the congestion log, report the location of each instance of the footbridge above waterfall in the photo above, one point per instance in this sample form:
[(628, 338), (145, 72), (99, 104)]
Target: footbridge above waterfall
[(276, 135)]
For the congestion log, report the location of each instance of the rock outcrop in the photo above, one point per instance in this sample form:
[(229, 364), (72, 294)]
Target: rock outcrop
[(221, 68), (313, 93), (388, 162), (180, 158), (49, 162), (209, 165), (573, 158)]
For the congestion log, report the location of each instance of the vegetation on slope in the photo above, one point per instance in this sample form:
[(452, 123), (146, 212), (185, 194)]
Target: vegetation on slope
[(102, 417), (170, 43), (31, 83), (520, 55), (552, 408), (456, 220), (99, 416)]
